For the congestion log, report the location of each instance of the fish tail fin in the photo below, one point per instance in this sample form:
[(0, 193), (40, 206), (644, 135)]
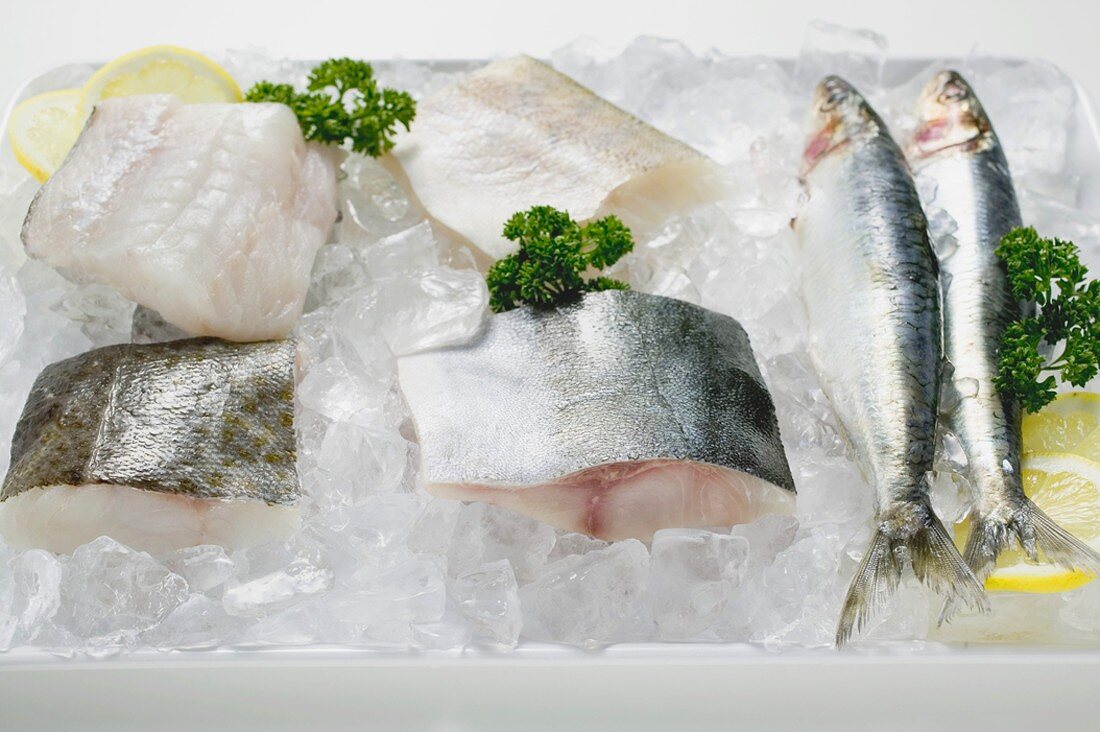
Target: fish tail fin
[(1037, 534), (918, 538)]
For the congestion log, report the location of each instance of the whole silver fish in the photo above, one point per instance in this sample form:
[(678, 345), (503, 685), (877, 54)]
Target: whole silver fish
[(872, 295), (617, 415), (955, 149)]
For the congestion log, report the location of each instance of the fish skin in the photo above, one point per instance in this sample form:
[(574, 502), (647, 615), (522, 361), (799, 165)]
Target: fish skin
[(956, 151), (516, 133), (210, 214), (201, 418), (619, 378), (872, 295)]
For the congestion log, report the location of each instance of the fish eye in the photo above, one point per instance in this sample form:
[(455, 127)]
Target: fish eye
[(835, 97), (952, 93)]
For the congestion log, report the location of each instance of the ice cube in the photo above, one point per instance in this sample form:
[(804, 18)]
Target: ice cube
[(380, 600), (434, 527), (199, 622), (275, 574), (12, 310), (766, 537), (691, 575), (569, 544), (343, 392), (1031, 104), (205, 567), (304, 622), (795, 600), (591, 599), (489, 597), (485, 533), (37, 575), (353, 462), (372, 203), (436, 307), (111, 593), (857, 55), (450, 632), (1014, 618), (1081, 611)]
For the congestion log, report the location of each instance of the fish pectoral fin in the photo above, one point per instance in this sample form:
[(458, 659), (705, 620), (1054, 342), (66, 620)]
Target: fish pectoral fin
[(921, 541)]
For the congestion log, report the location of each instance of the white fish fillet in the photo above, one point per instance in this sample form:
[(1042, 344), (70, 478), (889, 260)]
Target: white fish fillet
[(210, 214), (60, 518), (517, 133)]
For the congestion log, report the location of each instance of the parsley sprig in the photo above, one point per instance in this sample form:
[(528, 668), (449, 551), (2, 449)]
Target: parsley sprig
[(1049, 274), (343, 105), (554, 253)]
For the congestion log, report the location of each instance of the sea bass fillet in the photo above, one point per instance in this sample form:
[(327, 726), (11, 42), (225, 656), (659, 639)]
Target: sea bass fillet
[(517, 133), (956, 151), (872, 295), (616, 416), (158, 446), (210, 214)]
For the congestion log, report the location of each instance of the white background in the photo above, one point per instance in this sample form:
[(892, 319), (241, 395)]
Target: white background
[(38, 34)]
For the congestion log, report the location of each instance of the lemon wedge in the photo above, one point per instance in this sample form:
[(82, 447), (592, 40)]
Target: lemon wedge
[(161, 70), (42, 129), (1071, 423), (1067, 488)]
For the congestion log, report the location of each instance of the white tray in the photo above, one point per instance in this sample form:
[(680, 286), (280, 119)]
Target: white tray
[(650, 686)]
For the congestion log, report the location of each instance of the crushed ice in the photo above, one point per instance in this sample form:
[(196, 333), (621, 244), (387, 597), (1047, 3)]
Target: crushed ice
[(380, 563)]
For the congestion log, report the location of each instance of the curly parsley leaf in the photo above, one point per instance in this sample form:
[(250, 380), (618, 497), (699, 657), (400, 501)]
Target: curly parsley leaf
[(1049, 274), (554, 253), (343, 105)]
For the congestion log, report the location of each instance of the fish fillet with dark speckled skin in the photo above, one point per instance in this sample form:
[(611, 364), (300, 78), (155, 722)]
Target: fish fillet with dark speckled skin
[(158, 446), (618, 415)]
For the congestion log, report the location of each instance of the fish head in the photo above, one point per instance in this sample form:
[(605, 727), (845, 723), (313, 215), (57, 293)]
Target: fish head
[(949, 117), (839, 115)]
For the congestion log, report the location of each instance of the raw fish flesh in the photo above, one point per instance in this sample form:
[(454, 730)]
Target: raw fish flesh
[(158, 446), (615, 416), (210, 214), (517, 133), (872, 295)]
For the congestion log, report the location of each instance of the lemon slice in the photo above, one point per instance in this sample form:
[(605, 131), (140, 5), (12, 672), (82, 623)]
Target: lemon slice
[(43, 128), (1067, 488), (1071, 423), (161, 70)]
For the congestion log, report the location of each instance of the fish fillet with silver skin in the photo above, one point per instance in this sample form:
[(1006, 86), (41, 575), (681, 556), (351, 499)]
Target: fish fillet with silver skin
[(955, 150), (615, 416), (210, 214), (872, 295), (158, 446), (516, 133)]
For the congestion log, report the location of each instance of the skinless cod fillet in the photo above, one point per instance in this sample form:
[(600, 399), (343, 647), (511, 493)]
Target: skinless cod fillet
[(616, 416), (517, 133), (159, 446), (209, 214)]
